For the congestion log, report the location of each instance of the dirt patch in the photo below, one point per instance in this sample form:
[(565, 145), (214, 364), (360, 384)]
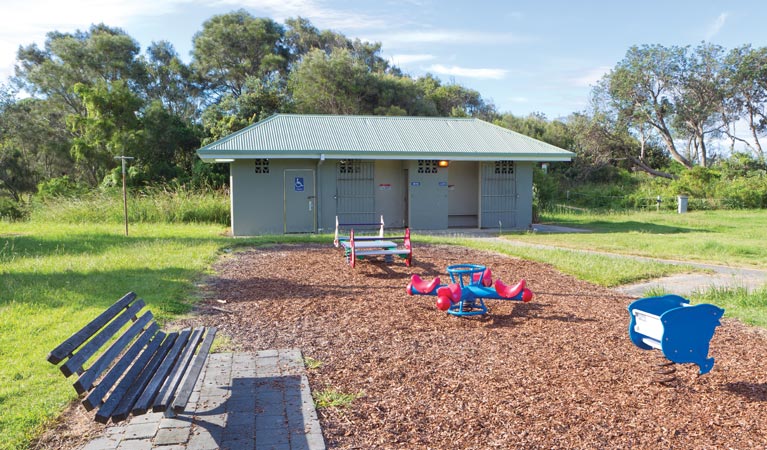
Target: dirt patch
[(557, 372)]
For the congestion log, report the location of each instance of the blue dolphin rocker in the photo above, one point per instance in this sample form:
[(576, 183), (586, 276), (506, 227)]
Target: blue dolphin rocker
[(682, 332)]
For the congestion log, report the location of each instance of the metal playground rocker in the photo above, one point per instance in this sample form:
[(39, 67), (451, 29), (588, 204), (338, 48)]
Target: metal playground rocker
[(470, 286), (680, 331)]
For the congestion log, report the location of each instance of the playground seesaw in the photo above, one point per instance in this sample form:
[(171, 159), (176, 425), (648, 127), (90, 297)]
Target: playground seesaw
[(470, 286)]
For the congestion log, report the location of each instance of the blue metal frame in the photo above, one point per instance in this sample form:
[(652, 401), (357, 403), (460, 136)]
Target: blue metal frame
[(472, 302)]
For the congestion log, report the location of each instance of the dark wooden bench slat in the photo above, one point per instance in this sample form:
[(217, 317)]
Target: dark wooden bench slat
[(137, 387), (165, 395), (67, 347), (75, 363), (152, 388), (95, 397), (85, 382), (179, 403), (115, 397)]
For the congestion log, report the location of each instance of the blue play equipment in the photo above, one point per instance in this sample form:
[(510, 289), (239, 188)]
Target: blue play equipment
[(670, 324), (471, 285)]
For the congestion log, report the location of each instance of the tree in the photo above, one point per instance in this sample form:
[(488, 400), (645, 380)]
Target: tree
[(259, 100), (336, 83), (746, 96), (234, 47), (109, 128), (169, 80), (100, 54), (641, 90), (699, 98), (168, 145)]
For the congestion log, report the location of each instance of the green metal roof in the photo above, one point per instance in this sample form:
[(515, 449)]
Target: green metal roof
[(379, 137)]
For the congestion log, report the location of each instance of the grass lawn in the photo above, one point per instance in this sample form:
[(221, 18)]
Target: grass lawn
[(733, 238)]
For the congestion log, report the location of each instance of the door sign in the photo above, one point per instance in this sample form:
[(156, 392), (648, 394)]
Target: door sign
[(298, 184)]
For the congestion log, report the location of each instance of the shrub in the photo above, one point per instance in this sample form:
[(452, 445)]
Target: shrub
[(12, 210)]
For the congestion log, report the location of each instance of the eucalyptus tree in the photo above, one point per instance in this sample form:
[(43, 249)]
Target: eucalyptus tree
[(699, 98), (642, 92), (746, 99)]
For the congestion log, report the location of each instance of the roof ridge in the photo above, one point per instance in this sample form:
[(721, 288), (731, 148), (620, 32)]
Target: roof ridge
[(365, 116)]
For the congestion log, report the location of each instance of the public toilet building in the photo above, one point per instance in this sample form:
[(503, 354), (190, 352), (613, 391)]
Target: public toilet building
[(297, 173)]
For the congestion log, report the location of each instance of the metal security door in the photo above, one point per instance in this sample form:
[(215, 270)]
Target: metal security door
[(498, 194), (300, 201), (355, 192)]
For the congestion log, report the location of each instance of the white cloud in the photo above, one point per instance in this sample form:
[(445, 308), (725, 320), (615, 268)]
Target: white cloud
[(590, 77), (410, 58), (519, 99), (449, 37), (715, 27), (494, 74)]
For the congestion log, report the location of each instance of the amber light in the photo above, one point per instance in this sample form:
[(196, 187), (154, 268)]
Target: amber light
[(444, 163)]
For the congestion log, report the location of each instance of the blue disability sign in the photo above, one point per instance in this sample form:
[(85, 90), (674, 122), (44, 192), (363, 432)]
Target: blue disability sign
[(299, 184)]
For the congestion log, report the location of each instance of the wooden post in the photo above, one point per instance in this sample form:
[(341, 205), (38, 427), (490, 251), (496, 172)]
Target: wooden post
[(125, 195)]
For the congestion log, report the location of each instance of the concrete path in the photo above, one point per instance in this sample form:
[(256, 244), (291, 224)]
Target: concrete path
[(689, 283), (243, 401)]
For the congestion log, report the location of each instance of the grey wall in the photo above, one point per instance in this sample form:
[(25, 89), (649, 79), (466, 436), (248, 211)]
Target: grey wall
[(427, 198), (258, 207), (258, 199), (390, 189)]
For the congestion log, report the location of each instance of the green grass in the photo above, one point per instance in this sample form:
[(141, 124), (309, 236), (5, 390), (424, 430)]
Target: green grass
[(312, 363), (719, 237), (331, 398), (598, 269), (54, 278)]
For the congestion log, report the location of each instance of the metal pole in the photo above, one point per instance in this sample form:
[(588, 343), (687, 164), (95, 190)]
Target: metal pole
[(125, 195)]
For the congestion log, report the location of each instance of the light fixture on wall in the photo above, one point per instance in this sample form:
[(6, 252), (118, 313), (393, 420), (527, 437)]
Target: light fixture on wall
[(443, 163)]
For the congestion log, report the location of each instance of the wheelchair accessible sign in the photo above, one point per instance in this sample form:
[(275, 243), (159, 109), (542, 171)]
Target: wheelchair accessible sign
[(298, 184)]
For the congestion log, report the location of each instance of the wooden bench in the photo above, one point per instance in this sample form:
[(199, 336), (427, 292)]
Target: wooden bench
[(142, 369)]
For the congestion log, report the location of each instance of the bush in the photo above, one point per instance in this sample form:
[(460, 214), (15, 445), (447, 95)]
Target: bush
[(60, 187), (12, 210)]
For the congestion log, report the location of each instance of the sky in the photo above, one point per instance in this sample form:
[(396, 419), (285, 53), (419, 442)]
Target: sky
[(523, 56)]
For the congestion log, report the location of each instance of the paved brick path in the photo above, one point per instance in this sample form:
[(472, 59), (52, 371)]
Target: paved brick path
[(242, 401)]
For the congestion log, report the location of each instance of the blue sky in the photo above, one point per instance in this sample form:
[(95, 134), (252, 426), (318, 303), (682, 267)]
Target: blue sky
[(524, 56)]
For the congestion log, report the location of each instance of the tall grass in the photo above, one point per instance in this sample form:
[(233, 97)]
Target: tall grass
[(150, 205)]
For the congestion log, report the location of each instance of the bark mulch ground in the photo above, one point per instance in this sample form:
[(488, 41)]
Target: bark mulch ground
[(558, 372)]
